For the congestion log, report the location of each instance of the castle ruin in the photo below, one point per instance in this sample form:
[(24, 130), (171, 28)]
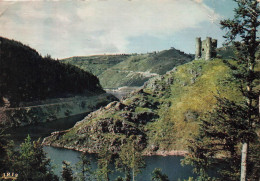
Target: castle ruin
[(206, 49)]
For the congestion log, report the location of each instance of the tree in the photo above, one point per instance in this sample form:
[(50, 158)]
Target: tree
[(219, 137), (104, 159), (130, 159), (84, 167), (119, 179), (30, 162), (67, 174), (5, 146), (157, 175), (242, 32)]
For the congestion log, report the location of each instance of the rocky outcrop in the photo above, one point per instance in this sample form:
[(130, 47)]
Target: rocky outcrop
[(117, 121), (53, 109), (112, 124)]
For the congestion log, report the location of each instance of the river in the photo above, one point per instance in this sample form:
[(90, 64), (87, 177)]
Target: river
[(170, 164)]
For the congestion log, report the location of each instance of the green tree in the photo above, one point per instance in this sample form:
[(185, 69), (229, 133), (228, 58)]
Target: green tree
[(219, 136), (5, 147), (157, 175), (232, 124), (84, 168), (119, 178), (130, 159), (104, 159), (67, 174), (31, 163), (242, 32)]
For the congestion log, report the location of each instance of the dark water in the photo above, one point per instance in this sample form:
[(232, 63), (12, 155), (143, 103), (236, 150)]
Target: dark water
[(43, 129), (170, 165)]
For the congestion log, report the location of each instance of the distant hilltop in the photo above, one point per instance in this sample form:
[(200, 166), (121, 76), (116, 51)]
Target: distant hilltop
[(130, 70)]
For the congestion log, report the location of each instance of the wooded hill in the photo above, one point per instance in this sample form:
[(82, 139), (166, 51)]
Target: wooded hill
[(27, 76)]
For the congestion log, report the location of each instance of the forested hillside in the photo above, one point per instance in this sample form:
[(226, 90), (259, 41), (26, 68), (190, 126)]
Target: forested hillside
[(27, 76)]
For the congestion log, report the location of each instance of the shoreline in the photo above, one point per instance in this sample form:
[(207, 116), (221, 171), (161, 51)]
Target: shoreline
[(145, 153), (167, 153)]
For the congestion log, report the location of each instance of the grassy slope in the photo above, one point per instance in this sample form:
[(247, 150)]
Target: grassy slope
[(129, 70), (90, 63), (192, 94), (164, 113)]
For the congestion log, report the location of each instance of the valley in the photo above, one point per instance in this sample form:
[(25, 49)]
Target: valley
[(161, 115), (130, 90)]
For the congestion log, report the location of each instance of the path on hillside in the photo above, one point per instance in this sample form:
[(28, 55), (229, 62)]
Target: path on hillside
[(145, 74)]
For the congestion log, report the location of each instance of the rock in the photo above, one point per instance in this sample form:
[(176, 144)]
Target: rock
[(110, 105), (190, 116), (154, 147), (119, 106)]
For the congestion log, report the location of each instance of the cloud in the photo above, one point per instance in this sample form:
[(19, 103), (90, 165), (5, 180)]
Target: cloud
[(71, 28), (198, 1)]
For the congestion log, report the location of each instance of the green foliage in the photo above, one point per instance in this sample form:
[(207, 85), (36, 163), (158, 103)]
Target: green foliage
[(232, 123), (217, 144), (165, 111), (130, 159), (192, 93), (190, 179), (5, 146), (84, 168), (27, 76), (129, 70), (30, 162), (242, 33), (104, 159), (67, 174), (218, 137), (119, 179), (157, 175)]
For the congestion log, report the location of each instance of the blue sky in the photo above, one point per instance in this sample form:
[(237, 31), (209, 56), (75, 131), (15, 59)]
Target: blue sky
[(76, 28)]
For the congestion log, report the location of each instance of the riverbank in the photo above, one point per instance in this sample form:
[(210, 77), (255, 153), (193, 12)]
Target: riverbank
[(145, 153), (50, 111)]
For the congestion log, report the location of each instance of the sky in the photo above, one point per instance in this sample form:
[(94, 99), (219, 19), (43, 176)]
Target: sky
[(79, 28)]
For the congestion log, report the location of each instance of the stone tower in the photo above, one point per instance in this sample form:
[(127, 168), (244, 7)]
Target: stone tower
[(198, 48), (206, 49)]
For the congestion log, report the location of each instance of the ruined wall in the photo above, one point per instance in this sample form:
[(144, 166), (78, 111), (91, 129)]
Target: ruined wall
[(205, 49), (198, 48)]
